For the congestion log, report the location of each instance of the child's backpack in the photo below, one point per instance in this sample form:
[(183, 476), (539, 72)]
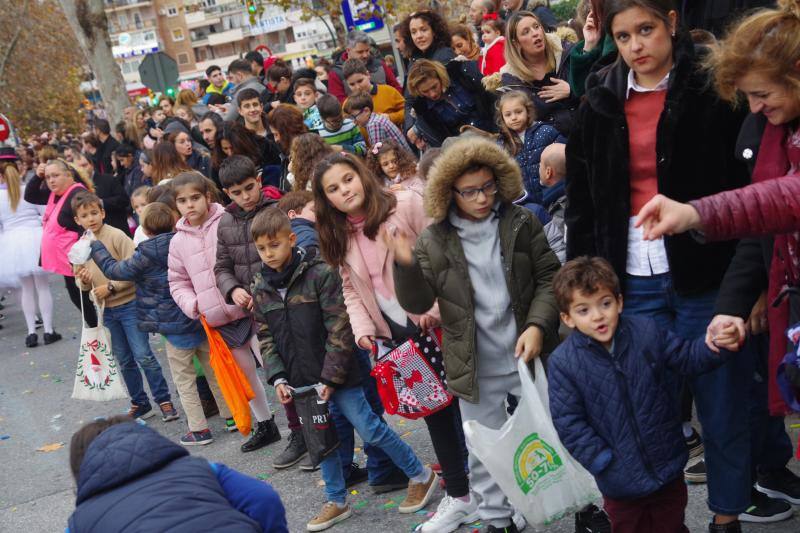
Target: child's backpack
[(410, 378)]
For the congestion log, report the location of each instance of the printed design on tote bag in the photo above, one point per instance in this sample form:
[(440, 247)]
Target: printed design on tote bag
[(102, 368), (536, 465)]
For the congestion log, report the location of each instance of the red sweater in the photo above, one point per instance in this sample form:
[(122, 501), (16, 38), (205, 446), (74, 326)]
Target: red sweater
[(642, 111), (493, 58)]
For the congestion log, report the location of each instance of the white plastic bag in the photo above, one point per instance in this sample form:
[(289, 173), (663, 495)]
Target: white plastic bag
[(98, 376), (81, 251), (527, 460)]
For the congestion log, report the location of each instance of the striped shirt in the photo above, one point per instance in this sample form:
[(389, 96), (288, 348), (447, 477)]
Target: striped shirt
[(348, 137)]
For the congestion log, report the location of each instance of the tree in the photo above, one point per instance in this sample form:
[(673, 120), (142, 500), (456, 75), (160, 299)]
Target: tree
[(87, 19), (40, 67)]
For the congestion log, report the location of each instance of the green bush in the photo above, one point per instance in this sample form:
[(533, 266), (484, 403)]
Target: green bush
[(565, 9)]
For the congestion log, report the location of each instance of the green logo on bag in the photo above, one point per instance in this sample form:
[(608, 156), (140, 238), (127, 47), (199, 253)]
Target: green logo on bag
[(536, 464)]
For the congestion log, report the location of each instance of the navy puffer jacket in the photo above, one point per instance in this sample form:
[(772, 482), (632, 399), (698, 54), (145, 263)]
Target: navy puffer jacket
[(156, 311), (538, 137), (615, 413), (134, 480)]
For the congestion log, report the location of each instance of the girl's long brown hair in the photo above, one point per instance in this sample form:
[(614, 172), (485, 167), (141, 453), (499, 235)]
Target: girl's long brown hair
[(511, 139), (167, 162), (307, 150), (10, 175), (288, 122), (332, 225)]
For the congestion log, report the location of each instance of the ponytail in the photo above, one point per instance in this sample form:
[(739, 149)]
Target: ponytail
[(12, 181)]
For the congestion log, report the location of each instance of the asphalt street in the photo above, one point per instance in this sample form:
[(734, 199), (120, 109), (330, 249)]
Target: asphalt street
[(37, 491)]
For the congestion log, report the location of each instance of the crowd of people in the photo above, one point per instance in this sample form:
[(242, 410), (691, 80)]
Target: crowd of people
[(616, 194)]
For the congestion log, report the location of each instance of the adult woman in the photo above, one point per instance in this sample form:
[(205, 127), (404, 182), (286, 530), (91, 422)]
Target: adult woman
[(445, 99), (182, 141), (146, 164), (651, 123), (463, 42), (54, 185), (286, 123), (536, 62), (426, 36), (234, 138), (21, 233), (167, 162), (166, 104)]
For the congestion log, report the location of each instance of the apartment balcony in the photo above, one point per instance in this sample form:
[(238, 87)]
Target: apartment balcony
[(118, 5), (230, 36), (132, 26), (199, 19)]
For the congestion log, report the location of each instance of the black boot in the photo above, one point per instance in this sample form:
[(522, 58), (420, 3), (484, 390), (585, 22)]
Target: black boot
[(265, 433), (295, 451), (731, 527)]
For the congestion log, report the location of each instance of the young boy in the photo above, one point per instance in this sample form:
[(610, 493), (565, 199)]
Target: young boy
[(305, 96), (501, 310), (378, 127), (299, 207), (611, 399), (552, 171), (306, 339), (130, 344), (385, 98), (341, 133)]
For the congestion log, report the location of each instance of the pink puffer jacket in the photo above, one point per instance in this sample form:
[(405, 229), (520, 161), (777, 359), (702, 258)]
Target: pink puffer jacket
[(192, 255)]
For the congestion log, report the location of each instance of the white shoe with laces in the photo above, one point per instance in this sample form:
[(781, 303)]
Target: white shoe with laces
[(451, 513)]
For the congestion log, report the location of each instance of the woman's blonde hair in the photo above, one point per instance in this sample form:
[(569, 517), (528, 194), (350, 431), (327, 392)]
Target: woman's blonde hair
[(77, 175), (10, 175), (186, 97), (425, 69), (766, 42), (513, 54)]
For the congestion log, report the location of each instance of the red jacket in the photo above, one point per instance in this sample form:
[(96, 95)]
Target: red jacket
[(493, 57)]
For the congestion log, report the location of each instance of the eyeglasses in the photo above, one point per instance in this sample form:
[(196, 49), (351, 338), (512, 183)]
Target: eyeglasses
[(470, 195)]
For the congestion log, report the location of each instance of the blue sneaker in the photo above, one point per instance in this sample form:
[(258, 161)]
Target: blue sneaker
[(197, 438)]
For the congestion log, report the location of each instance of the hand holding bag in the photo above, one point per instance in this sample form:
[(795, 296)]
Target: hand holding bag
[(527, 460), (232, 382), (318, 429), (97, 377)]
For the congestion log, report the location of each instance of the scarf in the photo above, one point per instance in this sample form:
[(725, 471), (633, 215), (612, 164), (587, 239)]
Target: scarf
[(280, 280)]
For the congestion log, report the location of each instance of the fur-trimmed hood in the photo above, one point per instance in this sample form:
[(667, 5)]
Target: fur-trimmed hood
[(458, 157)]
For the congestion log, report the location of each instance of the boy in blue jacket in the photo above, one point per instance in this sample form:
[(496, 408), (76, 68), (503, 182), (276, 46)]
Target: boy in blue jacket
[(611, 398), (157, 312)]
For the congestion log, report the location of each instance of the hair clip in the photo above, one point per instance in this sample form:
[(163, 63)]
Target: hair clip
[(343, 153), (490, 16), (377, 146)]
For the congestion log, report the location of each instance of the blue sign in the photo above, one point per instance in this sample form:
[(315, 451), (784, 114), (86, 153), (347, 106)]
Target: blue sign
[(364, 15)]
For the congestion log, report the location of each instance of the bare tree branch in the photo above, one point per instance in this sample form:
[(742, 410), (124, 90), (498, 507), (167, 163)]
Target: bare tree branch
[(12, 43)]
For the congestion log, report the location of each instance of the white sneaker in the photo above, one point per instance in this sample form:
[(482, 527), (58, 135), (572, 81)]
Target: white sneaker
[(451, 513)]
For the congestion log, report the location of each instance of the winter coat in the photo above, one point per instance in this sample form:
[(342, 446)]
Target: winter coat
[(561, 113), (237, 257), (538, 137), (200, 163), (156, 311), (379, 73), (134, 178), (104, 154), (492, 57), (440, 271), (366, 318), (116, 202), (192, 256), (130, 471), (305, 335), (307, 237), (443, 55), (615, 413), (695, 142), (466, 76)]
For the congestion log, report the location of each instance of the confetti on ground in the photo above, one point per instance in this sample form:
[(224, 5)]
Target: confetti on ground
[(51, 447), (401, 422), (422, 511), (56, 417), (27, 392), (406, 434), (320, 483), (32, 363), (416, 526), (45, 376), (391, 504), (58, 380), (360, 505), (5, 437), (356, 450), (353, 492), (262, 477)]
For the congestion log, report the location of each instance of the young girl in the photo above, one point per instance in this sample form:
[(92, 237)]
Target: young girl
[(138, 202), (501, 310), (395, 166), (192, 256), (493, 53), (525, 138), (307, 150), (353, 211)]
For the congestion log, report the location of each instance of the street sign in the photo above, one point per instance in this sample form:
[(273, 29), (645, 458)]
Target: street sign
[(158, 72), (5, 129), (364, 15)]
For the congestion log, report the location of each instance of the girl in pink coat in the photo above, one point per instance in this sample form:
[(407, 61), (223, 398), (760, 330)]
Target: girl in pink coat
[(354, 210), (192, 255)]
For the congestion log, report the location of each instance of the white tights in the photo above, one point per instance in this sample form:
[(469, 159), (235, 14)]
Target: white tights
[(32, 284), (259, 404)]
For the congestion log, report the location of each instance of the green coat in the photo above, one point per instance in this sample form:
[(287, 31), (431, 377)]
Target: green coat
[(440, 271)]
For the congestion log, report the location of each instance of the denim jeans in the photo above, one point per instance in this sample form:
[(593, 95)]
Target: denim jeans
[(131, 346), (722, 405), (379, 466), (353, 405)]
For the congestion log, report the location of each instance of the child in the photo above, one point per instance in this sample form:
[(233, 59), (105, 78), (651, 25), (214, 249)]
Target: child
[(158, 313), (130, 344), (138, 202), (148, 471), (192, 254), (307, 149), (353, 211), (306, 340), (385, 99), (299, 207), (525, 138), (426, 161), (493, 53), (552, 171), (396, 166), (501, 310), (611, 401), (341, 133), (305, 96), (377, 126)]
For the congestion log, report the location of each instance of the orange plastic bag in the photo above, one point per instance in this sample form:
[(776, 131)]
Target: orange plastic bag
[(232, 382)]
